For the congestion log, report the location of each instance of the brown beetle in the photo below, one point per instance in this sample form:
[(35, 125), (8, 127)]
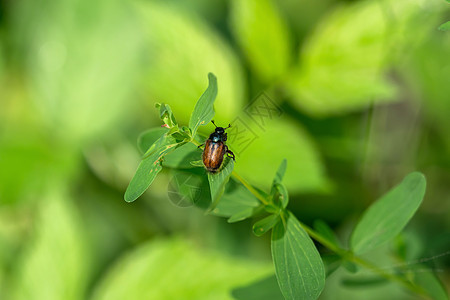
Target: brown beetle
[(215, 149)]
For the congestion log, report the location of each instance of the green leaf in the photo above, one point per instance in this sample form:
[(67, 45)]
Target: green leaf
[(187, 188), (264, 225), (245, 214), (235, 199), (183, 156), (56, 251), (408, 245), (280, 192), (299, 268), (445, 26), (306, 172), (332, 262), (263, 35), (163, 269), (278, 189), (204, 108), (180, 42), (280, 172), (197, 163), (76, 88), (265, 289), (384, 219), (180, 158), (350, 266), (149, 137), (326, 232), (218, 181), (150, 166), (432, 80), (425, 278), (166, 114), (342, 74)]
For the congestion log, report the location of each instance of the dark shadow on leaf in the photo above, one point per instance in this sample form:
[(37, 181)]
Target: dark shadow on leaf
[(364, 282), (265, 289)]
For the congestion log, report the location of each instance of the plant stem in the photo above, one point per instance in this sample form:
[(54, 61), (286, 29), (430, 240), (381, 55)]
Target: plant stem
[(250, 188), (346, 254)]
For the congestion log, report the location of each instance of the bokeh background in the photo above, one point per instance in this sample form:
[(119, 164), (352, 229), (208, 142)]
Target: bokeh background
[(364, 87)]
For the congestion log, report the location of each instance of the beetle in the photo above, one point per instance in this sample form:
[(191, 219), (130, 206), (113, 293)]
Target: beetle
[(215, 149)]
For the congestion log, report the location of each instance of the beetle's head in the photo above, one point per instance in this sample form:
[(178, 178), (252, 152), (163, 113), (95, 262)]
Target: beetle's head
[(220, 130)]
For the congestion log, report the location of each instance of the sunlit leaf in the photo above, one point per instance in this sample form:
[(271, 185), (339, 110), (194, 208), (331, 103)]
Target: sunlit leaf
[(345, 64), (150, 166), (264, 225), (182, 49), (80, 89), (263, 36), (23, 161), (56, 253), (280, 172), (176, 269), (431, 78), (305, 172), (445, 26), (343, 73), (385, 218), (149, 137), (183, 156), (204, 108), (299, 268), (166, 114)]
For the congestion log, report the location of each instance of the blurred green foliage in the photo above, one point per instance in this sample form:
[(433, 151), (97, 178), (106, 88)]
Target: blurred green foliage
[(363, 87)]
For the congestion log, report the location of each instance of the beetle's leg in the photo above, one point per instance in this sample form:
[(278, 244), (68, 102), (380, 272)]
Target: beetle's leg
[(231, 154), (224, 137), (200, 145)]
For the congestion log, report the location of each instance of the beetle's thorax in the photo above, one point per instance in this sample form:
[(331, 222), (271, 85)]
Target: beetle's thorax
[(215, 137)]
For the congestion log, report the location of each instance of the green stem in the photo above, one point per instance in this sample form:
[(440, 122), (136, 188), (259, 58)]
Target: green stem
[(250, 188), (348, 255)]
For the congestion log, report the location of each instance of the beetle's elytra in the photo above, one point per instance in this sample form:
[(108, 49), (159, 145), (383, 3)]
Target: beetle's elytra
[(215, 149)]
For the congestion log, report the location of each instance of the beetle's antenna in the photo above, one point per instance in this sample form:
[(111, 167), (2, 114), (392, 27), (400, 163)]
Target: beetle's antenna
[(212, 121), (229, 125)]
